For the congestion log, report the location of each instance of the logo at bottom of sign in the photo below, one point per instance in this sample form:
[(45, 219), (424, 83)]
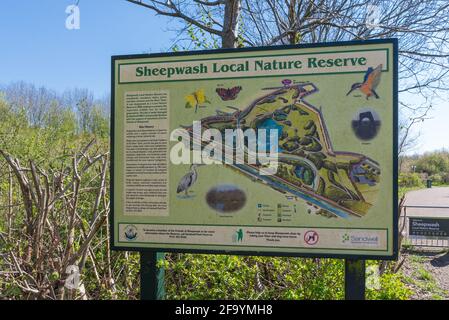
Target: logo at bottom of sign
[(131, 232)]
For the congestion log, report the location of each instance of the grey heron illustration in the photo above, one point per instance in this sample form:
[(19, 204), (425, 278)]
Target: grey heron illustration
[(188, 180)]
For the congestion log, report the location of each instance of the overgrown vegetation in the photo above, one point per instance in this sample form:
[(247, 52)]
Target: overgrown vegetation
[(431, 165), (410, 180), (434, 163), (233, 277)]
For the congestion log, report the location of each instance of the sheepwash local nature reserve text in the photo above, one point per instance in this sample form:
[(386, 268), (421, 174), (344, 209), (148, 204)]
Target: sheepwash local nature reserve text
[(176, 68), (245, 66)]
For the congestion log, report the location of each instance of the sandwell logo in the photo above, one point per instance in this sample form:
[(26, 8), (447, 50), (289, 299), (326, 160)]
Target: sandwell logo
[(373, 240), (131, 232), (364, 240)]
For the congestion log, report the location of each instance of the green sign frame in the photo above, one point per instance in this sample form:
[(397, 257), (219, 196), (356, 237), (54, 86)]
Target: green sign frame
[(158, 72)]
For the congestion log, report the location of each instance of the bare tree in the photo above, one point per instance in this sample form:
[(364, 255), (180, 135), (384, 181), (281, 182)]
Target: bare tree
[(421, 27), (44, 107), (37, 259), (217, 18), (408, 140), (35, 102)]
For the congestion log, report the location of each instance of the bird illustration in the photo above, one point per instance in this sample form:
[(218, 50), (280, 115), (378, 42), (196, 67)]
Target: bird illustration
[(188, 180), (370, 82)]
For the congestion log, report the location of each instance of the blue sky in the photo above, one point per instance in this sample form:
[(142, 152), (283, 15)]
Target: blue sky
[(434, 132), (37, 48)]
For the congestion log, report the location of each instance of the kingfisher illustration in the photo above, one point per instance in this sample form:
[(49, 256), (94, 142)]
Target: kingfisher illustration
[(370, 82)]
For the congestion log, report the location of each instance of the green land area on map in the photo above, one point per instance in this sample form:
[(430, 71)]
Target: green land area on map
[(308, 167)]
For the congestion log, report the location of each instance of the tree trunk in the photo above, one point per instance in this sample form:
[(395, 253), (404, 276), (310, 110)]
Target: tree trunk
[(10, 202), (292, 21), (230, 24)]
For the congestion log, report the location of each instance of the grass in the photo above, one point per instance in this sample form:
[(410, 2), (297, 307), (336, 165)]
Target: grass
[(404, 190), (424, 280), (416, 259), (423, 274), (407, 245), (438, 185)]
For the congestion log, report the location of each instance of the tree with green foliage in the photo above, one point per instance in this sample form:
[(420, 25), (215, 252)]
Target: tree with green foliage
[(433, 163)]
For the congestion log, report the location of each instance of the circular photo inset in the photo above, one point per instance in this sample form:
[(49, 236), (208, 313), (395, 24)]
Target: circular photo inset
[(366, 124), (226, 198)]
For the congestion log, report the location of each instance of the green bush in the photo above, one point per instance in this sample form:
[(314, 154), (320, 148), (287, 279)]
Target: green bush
[(441, 178), (445, 177), (433, 163), (409, 180), (235, 277), (392, 287), (436, 179)]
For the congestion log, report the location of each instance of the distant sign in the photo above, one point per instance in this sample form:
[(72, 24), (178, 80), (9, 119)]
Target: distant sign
[(278, 150), (429, 227)]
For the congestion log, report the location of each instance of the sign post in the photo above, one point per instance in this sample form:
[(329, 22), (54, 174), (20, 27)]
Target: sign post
[(354, 279), (152, 285), (280, 151)]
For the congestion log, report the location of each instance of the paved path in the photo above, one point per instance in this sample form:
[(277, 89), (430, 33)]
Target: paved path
[(436, 196)]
